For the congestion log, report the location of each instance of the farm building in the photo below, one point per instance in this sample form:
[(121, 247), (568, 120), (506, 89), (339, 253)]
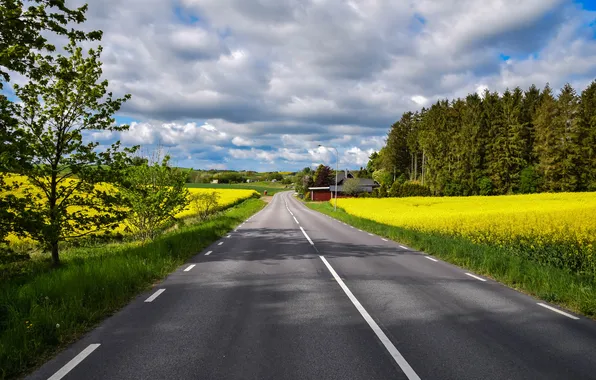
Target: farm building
[(325, 193)]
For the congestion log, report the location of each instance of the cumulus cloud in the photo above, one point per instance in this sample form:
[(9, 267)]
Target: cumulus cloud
[(263, 82)]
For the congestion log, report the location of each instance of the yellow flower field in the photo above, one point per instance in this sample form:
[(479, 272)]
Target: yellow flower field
[(532, 223), (226, 198)]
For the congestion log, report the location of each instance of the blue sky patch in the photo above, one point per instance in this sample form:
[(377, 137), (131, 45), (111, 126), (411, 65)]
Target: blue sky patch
[(124, 119), (184, 17), (589, 5)]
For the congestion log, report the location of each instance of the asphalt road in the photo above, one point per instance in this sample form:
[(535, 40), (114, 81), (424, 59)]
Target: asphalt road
[(294, 294)]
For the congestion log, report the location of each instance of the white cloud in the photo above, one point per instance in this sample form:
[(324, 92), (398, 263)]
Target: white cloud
[(241, 141), (172, 134), (214, 77), (420, 100)]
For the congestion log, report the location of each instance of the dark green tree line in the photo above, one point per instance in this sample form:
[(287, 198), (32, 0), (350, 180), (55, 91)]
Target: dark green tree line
[(515, 142)]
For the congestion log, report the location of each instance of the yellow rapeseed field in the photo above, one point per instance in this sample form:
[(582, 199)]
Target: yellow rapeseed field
[(226, 198), (564, 223)]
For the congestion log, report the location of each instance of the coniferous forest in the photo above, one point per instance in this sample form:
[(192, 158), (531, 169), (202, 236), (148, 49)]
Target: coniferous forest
[(516, 142)]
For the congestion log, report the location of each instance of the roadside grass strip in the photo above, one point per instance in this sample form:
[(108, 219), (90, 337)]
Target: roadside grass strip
[(60, 305)]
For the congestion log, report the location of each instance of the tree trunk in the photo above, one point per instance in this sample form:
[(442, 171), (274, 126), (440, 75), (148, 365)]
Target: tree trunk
[(416, 166), (422, 167), (55, 256)]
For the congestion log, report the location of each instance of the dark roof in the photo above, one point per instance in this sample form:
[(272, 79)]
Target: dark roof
[(341, 176), (367, 182)]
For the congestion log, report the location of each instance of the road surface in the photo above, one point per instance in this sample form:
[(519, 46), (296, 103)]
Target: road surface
[(294, 294)]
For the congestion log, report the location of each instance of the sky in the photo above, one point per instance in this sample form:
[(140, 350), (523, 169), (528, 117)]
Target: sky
[(259, 84)]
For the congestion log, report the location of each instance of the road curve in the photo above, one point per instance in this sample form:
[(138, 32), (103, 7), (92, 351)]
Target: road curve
[(294, 294)]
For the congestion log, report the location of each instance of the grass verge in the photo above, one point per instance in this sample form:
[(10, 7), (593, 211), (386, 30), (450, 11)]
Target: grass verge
[(48, 309), (569, 290)]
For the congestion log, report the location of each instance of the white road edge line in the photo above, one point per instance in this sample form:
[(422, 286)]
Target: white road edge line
[(476, 277), (190, 267), (208, 253), (431, 259), (403, 246), (384, 239), (371, 234), (399, 359), (295, 219), (229, 236), (220, 243), (558, 311), (155, 295), (74, 362), (306, 236)]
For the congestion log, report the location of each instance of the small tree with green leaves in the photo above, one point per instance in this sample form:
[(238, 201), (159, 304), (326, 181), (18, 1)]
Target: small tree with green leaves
[(58, 110), (154, 193), (351, 186), (24, 29), (205, 204), (383, 177)]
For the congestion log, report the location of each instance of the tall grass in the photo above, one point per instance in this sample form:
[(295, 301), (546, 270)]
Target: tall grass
[(46, 309), (571, 290)]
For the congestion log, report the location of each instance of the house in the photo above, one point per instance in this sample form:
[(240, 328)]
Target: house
[(325, 193), (215, 181)]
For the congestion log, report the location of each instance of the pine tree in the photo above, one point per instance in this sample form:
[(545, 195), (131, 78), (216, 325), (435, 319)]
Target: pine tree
[(497, 154), (568, 124), (397, 156), (588, 138), (474, 141), (530, 102), (546, 140), (512, 109)]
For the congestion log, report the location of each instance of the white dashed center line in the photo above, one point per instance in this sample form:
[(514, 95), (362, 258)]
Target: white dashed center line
[(155, 295), (306, 236), (558, 311), (476, 277), (397, 356), (190, 267), (74, 362)]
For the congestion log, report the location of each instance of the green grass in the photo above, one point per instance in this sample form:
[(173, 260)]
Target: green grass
[(45, 309), (559, 286), (271, 188)]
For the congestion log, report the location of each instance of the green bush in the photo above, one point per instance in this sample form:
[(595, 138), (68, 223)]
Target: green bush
[(485, 186), (409, 189), (529, 180)]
